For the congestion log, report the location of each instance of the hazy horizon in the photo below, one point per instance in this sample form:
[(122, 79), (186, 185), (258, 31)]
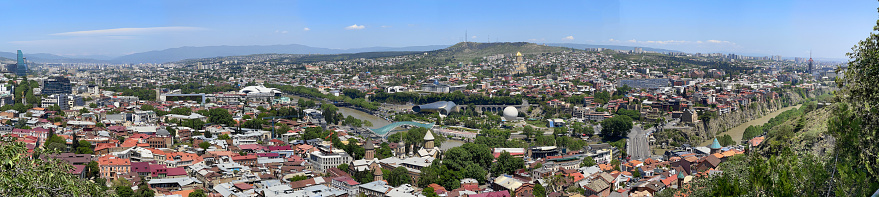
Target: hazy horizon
[(112, 29)]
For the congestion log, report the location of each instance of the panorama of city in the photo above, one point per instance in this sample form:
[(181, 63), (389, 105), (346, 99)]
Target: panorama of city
[(439, 99)]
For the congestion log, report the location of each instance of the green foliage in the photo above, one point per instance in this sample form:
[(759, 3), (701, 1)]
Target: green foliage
[(633, 114), (23, 176), (219, 116), (726, 140), (467, 161), (124, 191), (299, 178), (330, 113), (440, 174), (429, 192), (191, 88), (84, 147), (856, 165), (197, 193), (538, 190), (587, 161), (507, 164), (354, 150), (616, 127), (752, 132), (399, 176), (495, 138), (384, 151), (343, 167), (255, 123), (224, 137), (92, 171), (316, 132), (457, 97), (204, 145), (785, 174), (181, 111), (196, 124), (601, 97), (55, 142)]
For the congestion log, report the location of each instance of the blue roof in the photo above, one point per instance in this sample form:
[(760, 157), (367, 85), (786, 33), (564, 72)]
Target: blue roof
[(387, 128), (715, 144)]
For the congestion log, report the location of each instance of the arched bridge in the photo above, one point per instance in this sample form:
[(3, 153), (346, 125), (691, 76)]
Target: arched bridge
[(382, 131)]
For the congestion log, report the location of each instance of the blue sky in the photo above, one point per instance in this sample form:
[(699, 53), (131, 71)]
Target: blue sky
[(113, 28)]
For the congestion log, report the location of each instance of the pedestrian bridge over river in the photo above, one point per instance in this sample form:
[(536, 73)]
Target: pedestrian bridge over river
[(382, 131)]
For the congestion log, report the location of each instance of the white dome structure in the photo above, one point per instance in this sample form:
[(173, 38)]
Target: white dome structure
[(258, 89), (510, 112)]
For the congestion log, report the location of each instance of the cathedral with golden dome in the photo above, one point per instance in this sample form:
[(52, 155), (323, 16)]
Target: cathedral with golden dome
[(519, 66)]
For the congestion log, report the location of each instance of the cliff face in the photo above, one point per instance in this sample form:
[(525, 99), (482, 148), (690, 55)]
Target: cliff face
[(709, 129)]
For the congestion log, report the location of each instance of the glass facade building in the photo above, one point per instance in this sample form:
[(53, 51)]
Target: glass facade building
[(57, 85), (21, 65)]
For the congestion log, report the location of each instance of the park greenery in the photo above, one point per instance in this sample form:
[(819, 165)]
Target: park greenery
[(24, 175), (778, 169)]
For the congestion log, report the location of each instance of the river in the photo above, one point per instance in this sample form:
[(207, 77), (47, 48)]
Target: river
[(376, 121), (737, 132)]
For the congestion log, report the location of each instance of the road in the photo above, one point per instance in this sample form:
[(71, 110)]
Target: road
[(637, 145)]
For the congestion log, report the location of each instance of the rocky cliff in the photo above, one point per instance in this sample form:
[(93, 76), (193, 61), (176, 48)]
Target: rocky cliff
[(709, 129)]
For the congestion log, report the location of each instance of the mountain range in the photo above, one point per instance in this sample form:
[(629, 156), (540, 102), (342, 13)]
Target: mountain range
[(182, 53)]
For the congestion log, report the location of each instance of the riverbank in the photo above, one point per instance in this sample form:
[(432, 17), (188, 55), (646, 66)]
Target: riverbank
[(737, 132), (377, 122)]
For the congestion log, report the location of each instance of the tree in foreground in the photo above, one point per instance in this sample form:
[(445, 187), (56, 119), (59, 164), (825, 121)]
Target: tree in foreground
[(538, 191), (20, 175), (616, 127), (197, 193), (399, 176), (506, 164)]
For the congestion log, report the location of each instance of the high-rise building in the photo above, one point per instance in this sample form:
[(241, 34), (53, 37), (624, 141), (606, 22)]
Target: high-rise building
[(21, 66), (57, 85)]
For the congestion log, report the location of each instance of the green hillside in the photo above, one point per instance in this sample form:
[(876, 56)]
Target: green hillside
[(470, 50)]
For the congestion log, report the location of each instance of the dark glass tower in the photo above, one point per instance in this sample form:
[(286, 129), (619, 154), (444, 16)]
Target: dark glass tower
[(57, 85), (21, 66)]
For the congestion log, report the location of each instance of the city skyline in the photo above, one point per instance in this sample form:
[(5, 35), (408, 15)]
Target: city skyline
[(110, 29)]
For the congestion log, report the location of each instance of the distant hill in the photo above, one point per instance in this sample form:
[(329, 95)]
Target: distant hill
[(48, 58), (470, 50), (613, 47), (182, 53), (460, 51)]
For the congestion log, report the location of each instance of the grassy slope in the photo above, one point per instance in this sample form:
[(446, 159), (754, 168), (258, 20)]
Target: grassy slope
[(470, 50)]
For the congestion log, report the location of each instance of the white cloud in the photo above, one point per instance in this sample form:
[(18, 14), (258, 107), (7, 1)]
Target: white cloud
[(474, 37), (632, 41), (719, 41), (306, 29), (665, 42), (612, 40), (128, 31), (385, 26), (355, 27), (568, 38)]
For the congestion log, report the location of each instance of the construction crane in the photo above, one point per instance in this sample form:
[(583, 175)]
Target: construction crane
[(274, 118)]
